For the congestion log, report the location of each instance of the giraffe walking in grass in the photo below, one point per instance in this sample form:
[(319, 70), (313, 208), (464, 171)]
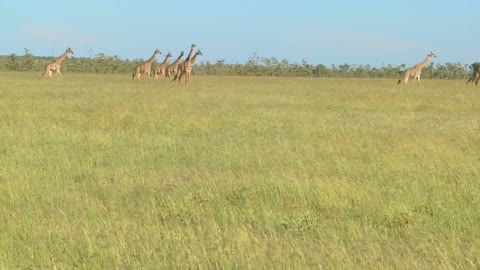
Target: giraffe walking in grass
[(55, 64), (185, 68), (146, 66), (416, 70), (172, 68), (476, 73), (161, 68), (192, 48)]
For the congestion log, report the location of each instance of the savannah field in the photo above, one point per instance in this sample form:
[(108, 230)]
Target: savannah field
[(102, 172)]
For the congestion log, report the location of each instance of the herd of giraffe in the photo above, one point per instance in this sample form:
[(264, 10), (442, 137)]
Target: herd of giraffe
[(179, 70), (176, 68)]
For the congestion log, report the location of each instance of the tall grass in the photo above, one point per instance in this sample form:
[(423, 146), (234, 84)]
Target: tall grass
[(99, 171)]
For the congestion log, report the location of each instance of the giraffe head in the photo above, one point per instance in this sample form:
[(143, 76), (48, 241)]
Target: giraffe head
[(69, 50), (182, 53), (157, 51), (431, 54), (199, 52), (193, 46), (168, 54)]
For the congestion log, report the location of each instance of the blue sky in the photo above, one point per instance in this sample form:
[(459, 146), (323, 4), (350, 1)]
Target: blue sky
[(374, 32)]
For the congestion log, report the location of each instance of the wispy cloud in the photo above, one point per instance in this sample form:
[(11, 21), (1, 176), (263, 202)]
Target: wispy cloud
[(338, 45), (352, 41), (62, 35)]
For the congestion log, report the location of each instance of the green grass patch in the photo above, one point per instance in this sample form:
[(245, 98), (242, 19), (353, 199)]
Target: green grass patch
[(101, 171)]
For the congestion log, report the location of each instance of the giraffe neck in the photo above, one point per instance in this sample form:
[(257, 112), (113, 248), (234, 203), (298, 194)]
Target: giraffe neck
[(151, 59), (61, 57), (423, 63), (193, 59), (178, 60), (190, 54), (166, 58)]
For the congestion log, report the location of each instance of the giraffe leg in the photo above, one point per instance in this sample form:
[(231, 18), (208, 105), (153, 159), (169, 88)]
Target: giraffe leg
[(136, 73), (404, 78), (180, 77), (180, 74), (177, 75)]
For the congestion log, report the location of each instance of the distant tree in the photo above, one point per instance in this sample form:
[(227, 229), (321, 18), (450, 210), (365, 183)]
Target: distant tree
[(28, 62), (306, 70), (252, 65), (220, 68), (428, 71), (390, 72), (274, 67), (360, 72), (13, 63), (209, 68), (344, 70), (321, 71)]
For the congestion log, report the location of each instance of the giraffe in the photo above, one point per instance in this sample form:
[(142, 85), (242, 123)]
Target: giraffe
[(171, 69), (191, 51), (192, 48), (161, 68), (185, 68), (416, 70), (146, 66), (55, 64), (476, 73)]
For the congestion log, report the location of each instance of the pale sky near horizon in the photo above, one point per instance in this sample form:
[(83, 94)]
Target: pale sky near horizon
[(374, 32)]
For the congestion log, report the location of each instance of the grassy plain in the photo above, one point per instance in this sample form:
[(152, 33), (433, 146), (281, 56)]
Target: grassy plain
[(99, 171)]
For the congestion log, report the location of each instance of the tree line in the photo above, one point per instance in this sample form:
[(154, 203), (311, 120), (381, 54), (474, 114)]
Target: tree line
[(254, 66)]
